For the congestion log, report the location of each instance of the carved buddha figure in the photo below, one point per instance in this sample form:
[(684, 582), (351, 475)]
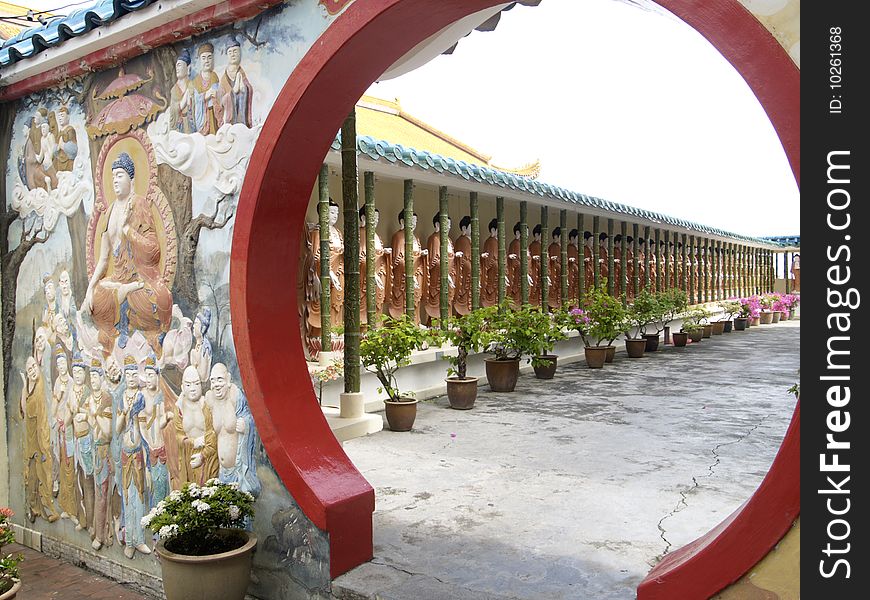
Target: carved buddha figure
[(796, 271), (617, 266), (397, 280), (535, 248), (630, 266), (679, 270), (514, 289), (433, 291), (554, 252), (641, 264), (573, 267), (672, 265), (588, 265), (462, 268), (603, 260), (489, 267), (653, 266), (382, 270), (336, 272)]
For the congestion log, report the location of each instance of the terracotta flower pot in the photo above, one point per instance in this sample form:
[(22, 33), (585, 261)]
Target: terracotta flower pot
[(718, 327), (786, 315), (777, 315), (461, 392), (502, 374), (766, 318), (652, 342), (548, 370), (696, 336), (729, 326), (755, 321), (611, 353), (225, 575), (740, 323), (635, 348), (680, 338), (11, 592), (595, 356), (401, 415)]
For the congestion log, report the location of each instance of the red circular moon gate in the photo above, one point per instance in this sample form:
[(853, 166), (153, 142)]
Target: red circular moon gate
[(357, 48)]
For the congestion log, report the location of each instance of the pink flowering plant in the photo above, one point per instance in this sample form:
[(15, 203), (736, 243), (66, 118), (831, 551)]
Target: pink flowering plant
[(750, 308), (335, 370), (194, 520), (8, 562), (607, 318)]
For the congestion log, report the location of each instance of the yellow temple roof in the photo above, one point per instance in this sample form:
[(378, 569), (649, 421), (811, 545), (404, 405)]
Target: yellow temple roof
[(9, 28), (386, 120)]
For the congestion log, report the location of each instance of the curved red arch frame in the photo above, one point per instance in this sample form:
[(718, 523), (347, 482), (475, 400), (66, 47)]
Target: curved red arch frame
[(362, 42)]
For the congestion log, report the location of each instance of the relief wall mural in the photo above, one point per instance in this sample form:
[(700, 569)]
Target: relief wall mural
[(122, 381)]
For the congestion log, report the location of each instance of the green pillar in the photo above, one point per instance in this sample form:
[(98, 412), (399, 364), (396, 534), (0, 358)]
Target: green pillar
[(646, 258), (502, 253), (685, 284), (785, 272), (563, 258), (623, 285), (475, 252), (444, 299), (596, 270), (634, 232), (660, 262), (691, 273), (545, 257), (325, 289), (409, 248), (610, 282), (369, 191), (669, 282), (581, 280), (705, 270), (524, 252), (350, 198)]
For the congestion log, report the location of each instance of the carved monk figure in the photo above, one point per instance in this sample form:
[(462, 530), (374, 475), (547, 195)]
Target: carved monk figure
[(514, 289), (653, 266), (83, 445), (489, 267), (672, 265), (100, 413), (234, 428), (63, 440), (618, 287), (433, 288), (603, 260), (134, 296), (641, 264), (153, 421), (37, 444), (397, 280), (535, 248), (554, 252), (630, 266), (796, 271), (573, 267), (181, 96), (51, 308), (588, 265), (382, 271), (66, 303), (236, 91), (67, 142), (194, 429), (207, 109), (462, 267), (336, 273), (678, 267), (696, 271)]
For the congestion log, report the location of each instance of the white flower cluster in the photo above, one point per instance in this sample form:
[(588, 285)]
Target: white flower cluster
[(205, 492), (234, 512), (200, 506), (146, 520), (167, 531), (175, 495)]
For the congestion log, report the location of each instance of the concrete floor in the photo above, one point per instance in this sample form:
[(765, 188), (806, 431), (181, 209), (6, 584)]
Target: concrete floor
[(573, 488)]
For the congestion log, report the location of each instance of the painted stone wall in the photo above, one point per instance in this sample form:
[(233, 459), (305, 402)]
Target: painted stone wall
[(122, 380)]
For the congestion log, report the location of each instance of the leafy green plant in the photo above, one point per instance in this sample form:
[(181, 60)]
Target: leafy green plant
[(466, 334), (730, 308), (606, 318), (385, 349), (8, 562), (332, 372), (190, 520), (693, 321), (641, 314), (545, 330), (672, 302)]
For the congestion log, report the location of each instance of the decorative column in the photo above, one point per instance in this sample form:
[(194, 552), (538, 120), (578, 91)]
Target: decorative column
[(685, 284), (705, 269), (410, 308), (636, 282), (785, 272), (610, 283), (350, 196), (595, 252), (581, 280), (623, 246), (524, 252), (646, 258), (545, 257), (444, 263), (502, 253), (717, 257), (325, 293), (475, 252), (660, 263), (369, 192), (669, 281), (691, 273), (563, 258)]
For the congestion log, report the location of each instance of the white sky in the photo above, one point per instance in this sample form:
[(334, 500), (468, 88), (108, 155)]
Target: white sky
[(617, 102), (661, 120)]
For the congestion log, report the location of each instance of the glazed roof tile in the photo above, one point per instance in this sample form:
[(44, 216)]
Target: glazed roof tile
[(378, 150)]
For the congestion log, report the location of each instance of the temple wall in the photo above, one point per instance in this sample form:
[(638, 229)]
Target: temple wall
[(158, 304)]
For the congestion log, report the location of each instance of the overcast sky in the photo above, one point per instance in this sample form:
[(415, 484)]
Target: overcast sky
[(616, 102)]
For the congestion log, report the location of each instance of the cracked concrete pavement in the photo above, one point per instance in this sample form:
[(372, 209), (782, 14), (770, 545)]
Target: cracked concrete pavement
[(574, 487)]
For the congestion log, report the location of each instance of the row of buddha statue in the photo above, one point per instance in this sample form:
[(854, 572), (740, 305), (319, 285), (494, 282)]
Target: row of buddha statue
[(390, 264)]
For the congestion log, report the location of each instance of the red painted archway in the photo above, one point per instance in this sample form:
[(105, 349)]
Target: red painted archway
[(361, 44)]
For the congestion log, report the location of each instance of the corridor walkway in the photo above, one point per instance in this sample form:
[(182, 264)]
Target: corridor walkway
[(573, 488)]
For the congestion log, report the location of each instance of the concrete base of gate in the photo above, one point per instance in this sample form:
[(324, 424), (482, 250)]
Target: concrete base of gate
[(348, 429)]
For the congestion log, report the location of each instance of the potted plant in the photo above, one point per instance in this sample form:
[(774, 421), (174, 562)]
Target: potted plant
[(778, 307), (204, 549), (9, 580), (464, 333), (383, 350), (545, 330), (680, 338), (638, 317), (692, 324), (601, 320), (766, 315), (671, 303), (321, 375), (731, 308)]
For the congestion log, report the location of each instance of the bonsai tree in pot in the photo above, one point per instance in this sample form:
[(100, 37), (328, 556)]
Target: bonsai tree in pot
[(731, 308), (639, 316), (465, 333), (766, 314), (546, 330), (383, 350), (601, 320), (693, 324), (204, 549), (9, 580), (508, 335), (672, 302)]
